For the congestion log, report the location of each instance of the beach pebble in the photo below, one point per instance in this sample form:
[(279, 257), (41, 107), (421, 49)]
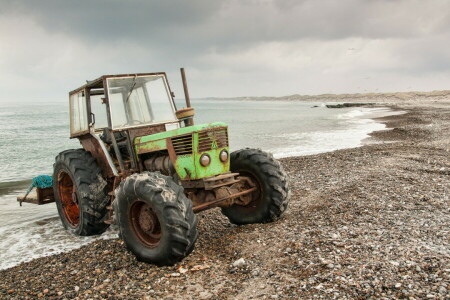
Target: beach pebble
[(239, 263), (368, 222)]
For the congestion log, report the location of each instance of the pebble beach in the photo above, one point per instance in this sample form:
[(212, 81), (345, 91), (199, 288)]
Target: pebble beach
[(366, 222)]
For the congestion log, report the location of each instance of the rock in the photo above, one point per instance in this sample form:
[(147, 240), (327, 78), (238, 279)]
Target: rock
[(239, 263), (360, 210), (77, 288), (344, 105)]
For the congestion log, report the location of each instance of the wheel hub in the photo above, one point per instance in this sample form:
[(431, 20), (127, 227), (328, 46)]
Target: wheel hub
[(147, 218), (145, 223), (69, 200)]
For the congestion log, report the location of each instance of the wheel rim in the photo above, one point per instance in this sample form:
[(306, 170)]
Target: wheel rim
[(145, 224), (69, 200), (256, 196)]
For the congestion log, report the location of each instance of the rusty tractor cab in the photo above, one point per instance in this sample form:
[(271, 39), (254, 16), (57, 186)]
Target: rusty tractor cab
[(145, 166)]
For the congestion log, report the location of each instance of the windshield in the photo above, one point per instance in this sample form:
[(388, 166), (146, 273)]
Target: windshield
[(140, 100)]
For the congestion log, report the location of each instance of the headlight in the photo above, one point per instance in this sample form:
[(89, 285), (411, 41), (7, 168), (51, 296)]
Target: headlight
[(205, 160), (223, 155)]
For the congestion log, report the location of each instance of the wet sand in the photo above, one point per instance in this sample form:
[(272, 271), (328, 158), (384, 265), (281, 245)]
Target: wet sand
[(367, 222)]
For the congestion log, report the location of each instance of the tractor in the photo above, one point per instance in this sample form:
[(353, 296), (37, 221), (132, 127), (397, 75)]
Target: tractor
[(146, 167)]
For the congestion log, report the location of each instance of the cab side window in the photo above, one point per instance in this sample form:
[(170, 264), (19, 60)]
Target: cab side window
[(78, 113)]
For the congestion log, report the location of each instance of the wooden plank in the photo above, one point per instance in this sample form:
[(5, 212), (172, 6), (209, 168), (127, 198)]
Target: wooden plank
[(38, 196)]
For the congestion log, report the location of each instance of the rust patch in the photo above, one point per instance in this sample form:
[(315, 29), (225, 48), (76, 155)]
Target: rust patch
[(143, 131), (90, 144)]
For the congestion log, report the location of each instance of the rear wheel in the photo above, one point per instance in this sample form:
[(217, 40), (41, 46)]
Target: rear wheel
[(80, 193), (155, 218), (271, 197)]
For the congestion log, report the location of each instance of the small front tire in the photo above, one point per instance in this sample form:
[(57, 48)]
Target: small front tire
[(271, 198)]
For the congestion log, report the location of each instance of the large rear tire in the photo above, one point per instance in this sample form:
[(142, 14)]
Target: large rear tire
[(271, 198), (155, 218), (80, 192)]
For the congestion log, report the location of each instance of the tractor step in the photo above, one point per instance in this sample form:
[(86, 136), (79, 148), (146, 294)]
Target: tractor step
[(40, 196)]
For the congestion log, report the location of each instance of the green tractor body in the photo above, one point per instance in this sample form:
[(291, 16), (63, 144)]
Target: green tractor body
[(187, 145), (145, 166)]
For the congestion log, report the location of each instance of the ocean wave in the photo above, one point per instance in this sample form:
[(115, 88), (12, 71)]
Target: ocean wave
[(352, 114), (7, 114), (42, 238), (6, 187)]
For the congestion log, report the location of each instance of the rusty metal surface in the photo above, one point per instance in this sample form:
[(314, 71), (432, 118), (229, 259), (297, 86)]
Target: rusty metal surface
[(214, 203), (186, 95), (41, 197), (160, 163), (145, 224), (110, 214), (98, 82), (68, 197), (182, 144), (210, 183), (220, 180), (212, 139), (91, 144), (143, 131), (184, 113), (228, 191)]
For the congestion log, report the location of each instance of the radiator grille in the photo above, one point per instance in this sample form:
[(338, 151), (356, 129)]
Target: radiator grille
[(212, 139), (182, 144)]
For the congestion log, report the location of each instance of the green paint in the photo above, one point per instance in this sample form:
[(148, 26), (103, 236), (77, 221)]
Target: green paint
[(177, 132), (187, 166), (184, 167), (150, 146)]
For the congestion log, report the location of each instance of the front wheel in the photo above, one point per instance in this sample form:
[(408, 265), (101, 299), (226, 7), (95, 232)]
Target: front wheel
[(155, 218), (271, 197)]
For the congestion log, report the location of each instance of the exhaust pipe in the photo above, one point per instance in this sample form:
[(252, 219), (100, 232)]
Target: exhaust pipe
[(186, 94)]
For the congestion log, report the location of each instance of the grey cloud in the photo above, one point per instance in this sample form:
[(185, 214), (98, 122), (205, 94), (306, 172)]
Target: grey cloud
[(227, 23), (309, 40)]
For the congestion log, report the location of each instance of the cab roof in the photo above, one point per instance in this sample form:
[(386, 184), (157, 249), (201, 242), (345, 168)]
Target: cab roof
[(98, 82)]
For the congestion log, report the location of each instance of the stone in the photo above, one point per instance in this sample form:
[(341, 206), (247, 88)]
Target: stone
[(239, 263)]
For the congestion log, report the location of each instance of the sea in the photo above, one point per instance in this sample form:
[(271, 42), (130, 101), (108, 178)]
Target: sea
[(32, 134)]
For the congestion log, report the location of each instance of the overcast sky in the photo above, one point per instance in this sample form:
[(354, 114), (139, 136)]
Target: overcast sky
[(229, 48)]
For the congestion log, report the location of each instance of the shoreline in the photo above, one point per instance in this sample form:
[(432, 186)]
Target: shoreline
[(369, 221), (402, 98), (22, 184), (48, 220)]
